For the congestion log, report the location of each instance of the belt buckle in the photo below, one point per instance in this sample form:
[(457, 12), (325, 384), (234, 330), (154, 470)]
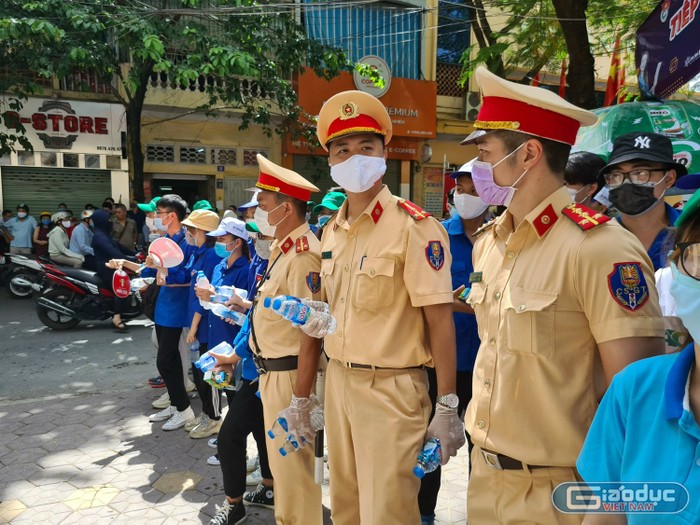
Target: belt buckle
[(491, 459), (259, 364)]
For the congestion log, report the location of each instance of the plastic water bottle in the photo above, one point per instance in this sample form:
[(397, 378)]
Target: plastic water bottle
[(224, 293), (222, 349), (428, 458), (140, 282), (223, 312), (203, 282), (279, 428), (289, 446), (205, 363), (301, 311), (194, 351)]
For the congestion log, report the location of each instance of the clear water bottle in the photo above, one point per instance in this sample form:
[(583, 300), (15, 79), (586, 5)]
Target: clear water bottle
[(428, 458), (140, 282), (203, 282), (301, 311), (289, 446), (222, 349), (205, 363), (223, 312), (279, 428), (224, 293), (194, 352)]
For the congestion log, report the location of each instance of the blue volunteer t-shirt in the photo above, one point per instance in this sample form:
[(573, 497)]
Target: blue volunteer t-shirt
[(204, 259), (225, 275)]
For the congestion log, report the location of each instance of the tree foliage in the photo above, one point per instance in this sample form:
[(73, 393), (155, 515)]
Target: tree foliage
[(535, 35), (241, 53)]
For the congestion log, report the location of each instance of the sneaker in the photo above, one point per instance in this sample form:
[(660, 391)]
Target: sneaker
[(179, 419), (229, 514), (156, 382), (254, 478), (252, 464), (213, 442), (164, 414), (261, 497), (190, 386), (206, 428), (213, 460), (162, 402), (196, 421)]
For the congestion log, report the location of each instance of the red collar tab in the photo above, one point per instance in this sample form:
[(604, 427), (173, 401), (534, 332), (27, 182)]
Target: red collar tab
[(506, 113), (271, 183), (286, 245), (302, 244), (584, 217), (377, 212), (545, 220), (413, 210)]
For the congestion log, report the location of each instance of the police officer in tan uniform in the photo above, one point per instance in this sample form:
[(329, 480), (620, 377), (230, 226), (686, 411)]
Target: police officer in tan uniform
[(293, 270), (564, 298), (385, 271)]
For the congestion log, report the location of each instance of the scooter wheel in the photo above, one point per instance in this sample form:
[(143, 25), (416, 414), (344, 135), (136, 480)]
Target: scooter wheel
[(20, 292), (53, 319)]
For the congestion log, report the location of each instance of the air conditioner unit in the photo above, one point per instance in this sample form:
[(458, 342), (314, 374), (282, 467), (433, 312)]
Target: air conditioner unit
[(472, 103)]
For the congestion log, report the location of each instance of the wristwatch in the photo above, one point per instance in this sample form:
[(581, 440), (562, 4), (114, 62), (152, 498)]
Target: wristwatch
[(449, 401)]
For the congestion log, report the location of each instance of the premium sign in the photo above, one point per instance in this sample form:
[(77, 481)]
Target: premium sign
[(70, 126)]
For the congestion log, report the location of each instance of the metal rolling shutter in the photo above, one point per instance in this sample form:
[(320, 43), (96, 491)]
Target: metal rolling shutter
[(43, 188), (235, 191)]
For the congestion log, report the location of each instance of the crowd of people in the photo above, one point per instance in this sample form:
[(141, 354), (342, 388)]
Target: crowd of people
[(528, 324)]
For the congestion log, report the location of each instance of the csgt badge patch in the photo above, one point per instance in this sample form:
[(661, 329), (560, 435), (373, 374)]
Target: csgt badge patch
[(628, 286)]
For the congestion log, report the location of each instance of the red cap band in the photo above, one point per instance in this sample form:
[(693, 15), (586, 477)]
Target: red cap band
[(272, 183), (514, 115), (359, 124)]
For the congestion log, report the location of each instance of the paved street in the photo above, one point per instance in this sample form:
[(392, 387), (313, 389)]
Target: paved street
[(76, 447)]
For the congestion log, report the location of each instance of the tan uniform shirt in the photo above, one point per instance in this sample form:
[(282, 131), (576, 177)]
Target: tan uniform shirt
[(296, 273), (376, 274), (548, 293)]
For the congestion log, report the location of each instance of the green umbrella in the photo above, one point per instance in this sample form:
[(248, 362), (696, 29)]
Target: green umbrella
[(677, 119)]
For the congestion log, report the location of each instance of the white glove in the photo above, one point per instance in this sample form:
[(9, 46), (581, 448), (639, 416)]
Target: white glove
[(449, 429), (317, 328), (304, 418)]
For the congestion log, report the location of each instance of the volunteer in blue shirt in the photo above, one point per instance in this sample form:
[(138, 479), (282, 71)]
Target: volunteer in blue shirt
[(639, 171), (204, 258), (467, 214), (171, 313), (22, 229), (647, 426)]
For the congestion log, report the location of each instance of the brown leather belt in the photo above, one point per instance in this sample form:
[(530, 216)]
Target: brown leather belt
[(501, 462), (280, 364)]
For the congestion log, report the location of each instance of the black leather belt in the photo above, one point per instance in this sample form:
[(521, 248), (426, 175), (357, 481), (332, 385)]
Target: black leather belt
[(280, 364), (501, 462), (372, 367)]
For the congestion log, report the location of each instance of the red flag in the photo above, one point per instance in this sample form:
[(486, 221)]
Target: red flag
[(562, 79), (621, 93), (536, 80), (613, 78)]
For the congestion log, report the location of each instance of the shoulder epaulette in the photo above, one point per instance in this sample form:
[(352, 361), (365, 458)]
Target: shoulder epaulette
[(484, 227), (413, 210), (302, 244), (584, 217)]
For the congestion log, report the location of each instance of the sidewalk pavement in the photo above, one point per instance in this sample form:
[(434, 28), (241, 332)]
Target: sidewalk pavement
[(96, 459)]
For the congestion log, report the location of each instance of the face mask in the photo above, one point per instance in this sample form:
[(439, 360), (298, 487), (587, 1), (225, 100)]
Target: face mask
[(191, 239), (486, 187), (686, 292), (452, 211), (21, 214), (221, 251), (307, 217), (322, 220), (150, 222), (45, 222), (267, 229), (158, 223), (573, 194), (66, 224), (262, 248), (469, 206), (635, 199), (358, 173)]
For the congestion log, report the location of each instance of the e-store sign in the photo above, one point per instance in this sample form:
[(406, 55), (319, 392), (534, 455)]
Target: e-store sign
[(71, 126)]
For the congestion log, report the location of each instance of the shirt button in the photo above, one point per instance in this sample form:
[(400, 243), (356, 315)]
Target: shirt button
[(342, 299), (510, 255), (521, 308), (340, 333), (492, 341), (346, 267), (481, 423), (487, 383), (351, 236), (497, 296), (371, 272)]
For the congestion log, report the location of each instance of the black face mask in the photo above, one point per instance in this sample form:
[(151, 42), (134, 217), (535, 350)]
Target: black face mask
[(631, 199)]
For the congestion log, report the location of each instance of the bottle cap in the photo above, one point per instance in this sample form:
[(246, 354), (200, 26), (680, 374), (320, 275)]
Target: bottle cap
[(267, 302), (276, 304), (419, 472)]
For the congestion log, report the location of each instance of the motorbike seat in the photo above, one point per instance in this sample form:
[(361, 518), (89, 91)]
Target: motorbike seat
[(83, 275)]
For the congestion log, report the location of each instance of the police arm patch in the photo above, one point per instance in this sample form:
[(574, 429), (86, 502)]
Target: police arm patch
[(628, 286), (435, 254), (313, 281)]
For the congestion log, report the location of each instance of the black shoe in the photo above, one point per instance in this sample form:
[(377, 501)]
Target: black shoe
[(261, 497), (229, 514)]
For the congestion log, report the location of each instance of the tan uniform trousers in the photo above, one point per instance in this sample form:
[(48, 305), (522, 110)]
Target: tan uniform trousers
[(514, 497), (297, 497), (375, 423)]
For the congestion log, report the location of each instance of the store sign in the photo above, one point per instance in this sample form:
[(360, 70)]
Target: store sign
[(70, 126), (365, 84)]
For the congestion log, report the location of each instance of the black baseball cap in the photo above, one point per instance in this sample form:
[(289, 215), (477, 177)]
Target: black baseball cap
[(23, 206), (643, 146)]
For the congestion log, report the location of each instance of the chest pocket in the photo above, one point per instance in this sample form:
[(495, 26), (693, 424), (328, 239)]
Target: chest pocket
[(269, 289), (327, 279), (375, 283), (475, 299), (529, 322)]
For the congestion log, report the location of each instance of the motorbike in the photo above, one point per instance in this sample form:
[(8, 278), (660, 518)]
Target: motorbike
[(21, 275), (71, 295)]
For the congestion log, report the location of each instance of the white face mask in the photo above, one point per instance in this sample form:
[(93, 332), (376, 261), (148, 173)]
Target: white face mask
[(307, 217), (267, 229), (262, 248), (150, 222), (66, 224), (573, 194), (469, 206), (21, 214), (358, 173)]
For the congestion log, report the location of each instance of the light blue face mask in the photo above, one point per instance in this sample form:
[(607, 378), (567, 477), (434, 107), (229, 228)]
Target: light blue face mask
[(322, 220), (686, 292), (158, 223), (221, 251)]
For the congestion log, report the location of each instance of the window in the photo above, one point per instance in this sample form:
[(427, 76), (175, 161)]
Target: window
[(48, 159), (453, 30), (114, 162), (92, 161), (160, 153), (250, 156), (26, 158), (70, 160), (193, 155), (224, 156)]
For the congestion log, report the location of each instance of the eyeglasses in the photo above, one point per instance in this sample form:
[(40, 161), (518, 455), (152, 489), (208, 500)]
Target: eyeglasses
[(636, 176), (690, 258), (163, 212)]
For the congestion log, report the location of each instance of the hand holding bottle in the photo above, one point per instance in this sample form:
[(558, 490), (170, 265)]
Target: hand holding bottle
[(449, 429), (304, 417)]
